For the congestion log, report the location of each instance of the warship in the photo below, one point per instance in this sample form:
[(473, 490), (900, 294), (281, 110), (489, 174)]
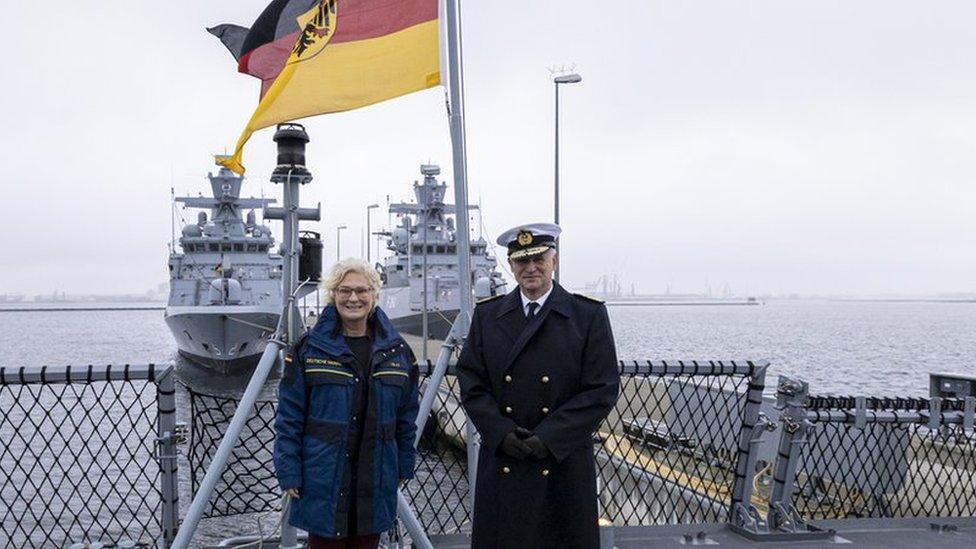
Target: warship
[(425, 242), (225, 285)]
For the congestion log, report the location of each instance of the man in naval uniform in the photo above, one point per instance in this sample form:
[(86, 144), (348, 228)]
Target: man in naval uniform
[(538, 374)]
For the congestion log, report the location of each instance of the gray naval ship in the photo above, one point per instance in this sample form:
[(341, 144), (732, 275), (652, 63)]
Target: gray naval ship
[(426, 235), (225, 287)]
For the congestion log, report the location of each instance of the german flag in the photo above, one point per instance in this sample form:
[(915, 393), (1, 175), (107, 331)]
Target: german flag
[(337, 55)]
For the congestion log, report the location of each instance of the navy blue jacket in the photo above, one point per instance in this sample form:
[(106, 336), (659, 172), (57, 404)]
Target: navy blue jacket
[(316, 398)]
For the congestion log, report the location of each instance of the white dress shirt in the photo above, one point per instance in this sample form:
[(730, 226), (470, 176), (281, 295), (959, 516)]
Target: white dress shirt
[(541, 301)]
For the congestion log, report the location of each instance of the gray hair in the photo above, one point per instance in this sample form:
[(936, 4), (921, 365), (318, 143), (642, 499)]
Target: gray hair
[(344, 267)]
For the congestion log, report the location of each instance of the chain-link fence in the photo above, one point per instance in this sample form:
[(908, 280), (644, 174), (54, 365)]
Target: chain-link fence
[(80, 460), (90, 454), (248, 483), (439, 491), (669, 451), (886, 457), (661, 461)]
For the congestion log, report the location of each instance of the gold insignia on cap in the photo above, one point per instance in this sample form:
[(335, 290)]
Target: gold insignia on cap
[(524, 238)]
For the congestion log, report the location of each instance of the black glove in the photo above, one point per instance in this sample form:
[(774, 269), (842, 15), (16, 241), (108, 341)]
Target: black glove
[(515, 447), (537, 448)]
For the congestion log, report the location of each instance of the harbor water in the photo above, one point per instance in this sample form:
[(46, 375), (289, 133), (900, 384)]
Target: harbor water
[(842, 347)]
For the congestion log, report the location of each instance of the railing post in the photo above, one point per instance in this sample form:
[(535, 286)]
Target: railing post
[(749, 437), (782, 522), (166, 453), (791, 396)]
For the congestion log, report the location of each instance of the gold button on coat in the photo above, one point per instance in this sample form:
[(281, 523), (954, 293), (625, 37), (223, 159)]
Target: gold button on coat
[(545, 472), (545, 379), (506, 470), (508, 379), (545, 410), (508, 409)]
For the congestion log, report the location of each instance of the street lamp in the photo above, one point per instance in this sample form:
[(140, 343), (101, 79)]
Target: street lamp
[(338, 228), (562, 79), (368, 235)]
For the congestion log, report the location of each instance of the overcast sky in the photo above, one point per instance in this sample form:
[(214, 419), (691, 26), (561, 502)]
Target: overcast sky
[(811, 147)]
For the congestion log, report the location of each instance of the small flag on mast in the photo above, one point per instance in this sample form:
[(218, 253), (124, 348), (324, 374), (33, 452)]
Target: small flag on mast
[(335, 56)]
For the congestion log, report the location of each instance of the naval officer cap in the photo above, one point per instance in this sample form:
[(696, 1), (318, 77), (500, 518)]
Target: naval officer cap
[(529, 240)]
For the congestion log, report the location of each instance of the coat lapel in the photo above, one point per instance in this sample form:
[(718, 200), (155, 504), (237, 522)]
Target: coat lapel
[(556, 302), (510, 316)]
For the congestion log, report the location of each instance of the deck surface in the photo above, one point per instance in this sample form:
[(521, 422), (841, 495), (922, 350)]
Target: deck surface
[(907, 533)]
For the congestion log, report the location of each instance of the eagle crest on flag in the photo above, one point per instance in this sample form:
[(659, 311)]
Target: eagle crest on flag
[(319, 27)]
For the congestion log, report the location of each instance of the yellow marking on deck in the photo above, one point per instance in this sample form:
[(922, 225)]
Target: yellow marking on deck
[(624, 449)]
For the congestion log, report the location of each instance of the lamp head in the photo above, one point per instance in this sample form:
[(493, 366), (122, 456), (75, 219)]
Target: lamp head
[(291, 140)]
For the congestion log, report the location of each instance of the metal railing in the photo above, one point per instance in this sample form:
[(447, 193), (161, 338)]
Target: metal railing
[(700, 459), (248, 483), (661, 460), (89, 454), (852, 457)]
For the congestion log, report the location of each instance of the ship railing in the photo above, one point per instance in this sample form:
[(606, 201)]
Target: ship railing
[(863, 457), (89, 455), (705, 468)]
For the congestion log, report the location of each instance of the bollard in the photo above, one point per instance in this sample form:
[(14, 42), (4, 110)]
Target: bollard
[(606, 534)]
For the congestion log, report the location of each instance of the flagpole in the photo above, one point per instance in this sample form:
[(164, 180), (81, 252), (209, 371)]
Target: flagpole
[(456, 118), (459, 148)]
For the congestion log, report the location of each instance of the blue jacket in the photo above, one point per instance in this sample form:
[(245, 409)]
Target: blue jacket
[(315, 402)]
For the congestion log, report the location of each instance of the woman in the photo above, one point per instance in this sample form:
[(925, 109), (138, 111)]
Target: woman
[(347, 407)]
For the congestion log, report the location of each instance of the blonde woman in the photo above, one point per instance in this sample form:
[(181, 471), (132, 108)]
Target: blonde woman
[(347, 410)]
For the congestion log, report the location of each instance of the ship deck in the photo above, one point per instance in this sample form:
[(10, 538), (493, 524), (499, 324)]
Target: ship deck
[(868, 533)]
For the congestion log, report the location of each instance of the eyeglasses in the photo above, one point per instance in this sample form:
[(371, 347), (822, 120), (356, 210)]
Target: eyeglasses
[(344, 292)]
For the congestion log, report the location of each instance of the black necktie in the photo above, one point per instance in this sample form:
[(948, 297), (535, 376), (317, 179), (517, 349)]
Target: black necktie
[(533, 307)]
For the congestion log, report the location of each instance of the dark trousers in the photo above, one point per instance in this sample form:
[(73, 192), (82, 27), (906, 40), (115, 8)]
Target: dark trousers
[(355, 542)]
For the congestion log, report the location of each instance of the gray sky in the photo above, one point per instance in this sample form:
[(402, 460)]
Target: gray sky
[(814, 147)]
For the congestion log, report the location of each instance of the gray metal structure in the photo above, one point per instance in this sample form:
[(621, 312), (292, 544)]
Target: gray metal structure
[(557, 81), (90, 460), (225, 284), (424, 250)]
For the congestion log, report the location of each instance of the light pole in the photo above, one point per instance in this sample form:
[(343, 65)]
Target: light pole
[(562, 79), (338, 228), (368, 235)]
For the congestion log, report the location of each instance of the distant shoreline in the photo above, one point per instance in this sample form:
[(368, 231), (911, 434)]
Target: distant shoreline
[(42, 309), (903, 300), (677, 303)]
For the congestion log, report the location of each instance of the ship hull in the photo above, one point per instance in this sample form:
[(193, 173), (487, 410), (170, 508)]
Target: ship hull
[(438, 324), (404, 310), (227, 339)]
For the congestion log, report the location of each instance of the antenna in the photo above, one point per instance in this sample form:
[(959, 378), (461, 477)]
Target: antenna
[(562, 69), (172, 212), (481, 218)]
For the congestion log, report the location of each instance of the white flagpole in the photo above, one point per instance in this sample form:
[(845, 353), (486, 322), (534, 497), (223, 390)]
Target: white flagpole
[(459, 149)]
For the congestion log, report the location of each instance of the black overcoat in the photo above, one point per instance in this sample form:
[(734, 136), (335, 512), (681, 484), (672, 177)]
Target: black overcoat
[(557, 376)]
